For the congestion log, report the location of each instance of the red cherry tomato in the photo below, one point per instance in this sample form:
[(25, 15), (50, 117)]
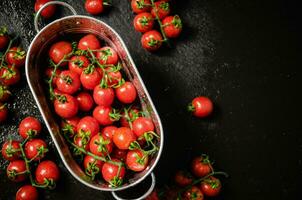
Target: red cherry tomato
[(16, 170), (112, 174), (81, 142), (162, 8), (113, 77), (143, 22), (211, 187), (100, 146), (78, 63), (119, 154), (4, 93), (47, 12), (94, 7), (49, 72), (68, 82), (172, 26), (85, 101), (9, 76), (109, 131), (107, 56), (29, 127), (3, 112), (27, 192), (193, 193), (89, 42), (129, 116), (183, 178), (90, 79), (201, 166), (103, 96), (123, 137), (201, 107), (11, 150), (88, 125), (142, 125), (60, 50), (16, 56), (151, 40), (104, 115), (35, 149), (47, 170), (69, 126), (153, 196), (126, 93), (66, 106), (136, 160), (92, 166), (4, 39), (139, 6)]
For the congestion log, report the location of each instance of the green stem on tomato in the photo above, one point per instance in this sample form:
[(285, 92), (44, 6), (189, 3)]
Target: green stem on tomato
[(159, 22), (26, 161), (7, 50)]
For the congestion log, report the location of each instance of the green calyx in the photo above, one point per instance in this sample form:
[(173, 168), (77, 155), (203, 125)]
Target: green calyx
[(116, 182), (191, 108), (214, 183), (144, 21), (153, 42), (67, 79), (164, 5), (90, 69), (3, 30), (61, 98), (102, 144), (78, 62), (141, 4), (9, 73), (19, 53), (115, 115), (31, 133), (177, 22), (4, 90), (92, 170), (68, 130)]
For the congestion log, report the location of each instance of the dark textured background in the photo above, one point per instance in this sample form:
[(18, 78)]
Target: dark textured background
[(245, 55)]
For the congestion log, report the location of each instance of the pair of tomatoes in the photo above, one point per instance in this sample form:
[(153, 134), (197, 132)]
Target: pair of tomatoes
[(144, 22)]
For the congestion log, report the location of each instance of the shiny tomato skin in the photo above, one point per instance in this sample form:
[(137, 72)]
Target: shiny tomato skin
[(90, 80), (143, 22), (67, 108), (113, 77), (18, 166), (183, 179), (110, 171), (89, 160), (103, 96), (31, 149), (163, 9), (94, 7), (151, 40), (89, 41), (59, 50), (107, 56), (123, 137), (201, 106), (139, 6), (27, 192), (12, 145), (29, 124), (70, 125), (211, 187), (126, 93), (88, 124), (109, 131), (201, 166), (47, 170), (80, 142), (133, 162), (16, 56), (100, 146), (68, 82), (119, 154), (9, 76), (85, 101), (3, 112), (142, 125), (78, 63), (172, 26), (48, 73), (133, 114), (102, 114), (4, 40), (47, 12), (193, 193)]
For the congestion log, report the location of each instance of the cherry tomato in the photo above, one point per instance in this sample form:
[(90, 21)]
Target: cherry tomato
[(11, 150), (139, 6), (27, 192), (29, 127), (104, 115), (113, 77), (69, 126), (107, 55), (49, 72), (78, 64), (103, 96), (129, 116), (193, 193), (151, 40), (100, 146), (47, 12), (109, 131), (201, 166), (172, 26), (47, 170), (201, 106), (85, 101), (162, 8), (126, 93), (66, 106), (88, 125), (9, 75), (16, 170), (90, 78), (136, 160), (211, 187), (16, 56), (123, 137), (94, 7), (3, 112), (92, 166), (4, 39), (112, 174), (89, 42), (60, 50), (153, 196), (35, 148), (4, 93), (183, 178), (81, 142), (119, 154), (68, 82), (142, 125), (143, 22)]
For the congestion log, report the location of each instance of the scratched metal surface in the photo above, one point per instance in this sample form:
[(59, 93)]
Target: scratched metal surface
[(245, 55)]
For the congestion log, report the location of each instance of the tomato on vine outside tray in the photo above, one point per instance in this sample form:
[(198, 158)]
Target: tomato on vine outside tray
[(100, 146), (172, 26), (4, 39), (139, 6), (211, 186), (201, 166), (11, 150), (126, 93), (66, 106), (143, 22), (103, 96), (47, 171), (27, 192), (3, 112), (201, 106), (137, 160), (59, 51), (193, 193), (16, 56), (151, 40), (94, 7), (68, 82), (123, 137), (78, 64), (183, 178), (35, 149), (162, 8), (89, 41), (9, 75), (29, 127), (48, 11), (85, 101), (16, 170), (112, 174), (107, 56)]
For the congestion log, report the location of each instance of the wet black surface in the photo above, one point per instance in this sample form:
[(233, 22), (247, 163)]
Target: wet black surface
[(245, 55)]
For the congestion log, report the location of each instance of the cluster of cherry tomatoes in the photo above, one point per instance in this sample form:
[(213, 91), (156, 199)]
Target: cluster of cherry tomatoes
[(101, 115), (12, 58), (26, 156), (148, 13)]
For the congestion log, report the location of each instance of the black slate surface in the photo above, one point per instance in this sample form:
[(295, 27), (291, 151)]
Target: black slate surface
[(245, 55)]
